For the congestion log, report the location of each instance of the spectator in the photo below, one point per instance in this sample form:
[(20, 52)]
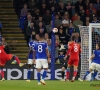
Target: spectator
[(46, 36), (24, 11), (73, 10), (40, 19), (0, 27), (97, 4), (71, 29), (41, 26), (57, 21), (68, 6), (74, 17), (90, 9), (37, 37), (49, 28), (62, 36), (29, 32), (43, 8), (47, 17), (95, 20)]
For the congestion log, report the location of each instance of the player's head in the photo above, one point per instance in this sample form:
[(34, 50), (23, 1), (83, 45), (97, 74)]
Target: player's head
[(41, 36), (98, 46), (73, 38)]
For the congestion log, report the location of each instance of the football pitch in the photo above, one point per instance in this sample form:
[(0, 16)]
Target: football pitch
[(51, 85)]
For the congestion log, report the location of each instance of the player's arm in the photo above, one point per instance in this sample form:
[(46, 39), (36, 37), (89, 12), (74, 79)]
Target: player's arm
[(30, 50), (92, 56), (34, 55), (68, 52)]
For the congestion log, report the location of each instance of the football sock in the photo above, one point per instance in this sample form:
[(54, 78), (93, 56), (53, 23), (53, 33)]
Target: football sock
[(75, 73), (2, 74), (94, 74), (44, 74), (63, 73), (17, 59), (38, 76), (67, 73), (29, 74), (87, 72)]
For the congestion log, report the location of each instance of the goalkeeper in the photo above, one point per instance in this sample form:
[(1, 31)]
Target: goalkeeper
[(95, 65)]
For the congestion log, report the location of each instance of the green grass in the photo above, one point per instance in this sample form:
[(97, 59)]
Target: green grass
[(51, 85)]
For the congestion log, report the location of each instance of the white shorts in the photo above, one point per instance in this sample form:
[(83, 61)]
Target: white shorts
[(30, 61), (41, 63), (95, 66)]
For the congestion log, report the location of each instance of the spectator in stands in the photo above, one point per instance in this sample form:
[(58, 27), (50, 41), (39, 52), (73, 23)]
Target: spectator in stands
[(0, 27), (24, 10), (97, 4), (47, 17), (46, 36), (62, 36), (29, 31), (74, 17), (41, 26), (71, 29), (95, 20), (27, 23), (40, 19), (62, 9), (43, 9), (36, 14), (90, 9), (57, 21), (73, 10), (49, 28)]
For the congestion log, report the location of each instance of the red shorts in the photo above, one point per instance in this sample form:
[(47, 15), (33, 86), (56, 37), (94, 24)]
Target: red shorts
[(73, 62)]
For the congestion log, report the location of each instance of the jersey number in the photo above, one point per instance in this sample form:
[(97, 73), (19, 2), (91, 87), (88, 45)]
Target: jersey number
[(40, 48), (75, 48)]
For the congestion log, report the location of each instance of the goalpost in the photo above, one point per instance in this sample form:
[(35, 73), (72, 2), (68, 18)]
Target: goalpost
[(90, 35)]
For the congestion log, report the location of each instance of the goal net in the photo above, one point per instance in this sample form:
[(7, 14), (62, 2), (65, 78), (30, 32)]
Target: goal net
[(90, 35)]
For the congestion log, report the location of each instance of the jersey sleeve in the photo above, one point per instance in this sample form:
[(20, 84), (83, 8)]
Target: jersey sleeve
[(95, 52)]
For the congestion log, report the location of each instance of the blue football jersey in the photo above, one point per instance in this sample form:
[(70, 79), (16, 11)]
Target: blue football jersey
[(31, 47), (40, 48), (97, 57)]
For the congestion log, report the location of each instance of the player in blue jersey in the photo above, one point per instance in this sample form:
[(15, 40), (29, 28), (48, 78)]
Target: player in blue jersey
[(95, 65), (41, 54), (30, 57)]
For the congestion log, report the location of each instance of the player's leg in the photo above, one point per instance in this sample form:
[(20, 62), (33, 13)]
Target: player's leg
[(29, 69), (14, 57), (2, 73), (75, 64), (74, 74), (94, 75), (92, 67), (68, 72), (45, 67), (63, 73), (38, 67)]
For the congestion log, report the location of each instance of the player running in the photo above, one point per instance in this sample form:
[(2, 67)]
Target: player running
[(41, 53), (95, 65), (30, 57), (6, 57), (73, 50)]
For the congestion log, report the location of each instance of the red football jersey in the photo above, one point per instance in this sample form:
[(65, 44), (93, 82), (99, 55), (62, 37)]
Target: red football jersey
[(2, 53), (74, 50)]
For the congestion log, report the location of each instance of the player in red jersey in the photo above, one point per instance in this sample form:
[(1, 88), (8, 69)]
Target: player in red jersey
[(6, 57), (73, 50)]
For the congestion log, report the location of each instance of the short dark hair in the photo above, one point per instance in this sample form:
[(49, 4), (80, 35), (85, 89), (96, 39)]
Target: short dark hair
[(41, 35), (73, 38)]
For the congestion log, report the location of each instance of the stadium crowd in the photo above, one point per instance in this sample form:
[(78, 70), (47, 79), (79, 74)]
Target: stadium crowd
[(36, 17)]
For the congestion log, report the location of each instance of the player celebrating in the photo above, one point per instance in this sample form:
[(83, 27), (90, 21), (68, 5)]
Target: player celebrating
[(73, 51), (30, 57), (41, 53), (95, 65), (6, 57)]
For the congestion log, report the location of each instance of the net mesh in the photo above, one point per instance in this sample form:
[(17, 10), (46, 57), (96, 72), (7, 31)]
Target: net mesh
[(84, 33)]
